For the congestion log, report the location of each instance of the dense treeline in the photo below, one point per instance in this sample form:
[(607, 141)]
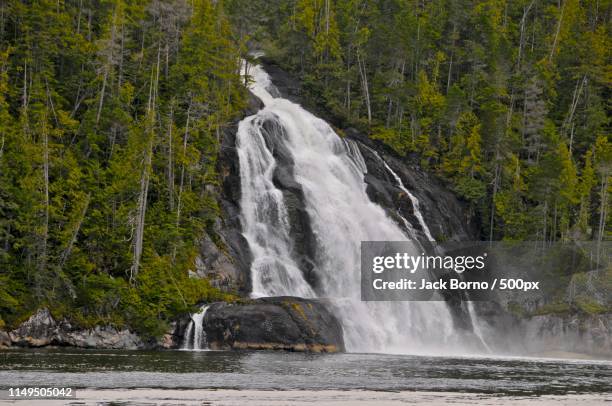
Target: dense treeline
[(110, 118), (111, 113), (507, 100)]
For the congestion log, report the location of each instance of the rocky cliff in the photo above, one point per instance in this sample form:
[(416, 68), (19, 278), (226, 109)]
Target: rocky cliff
[(226, 258)]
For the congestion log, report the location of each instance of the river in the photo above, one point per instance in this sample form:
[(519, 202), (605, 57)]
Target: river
[(228, 378)]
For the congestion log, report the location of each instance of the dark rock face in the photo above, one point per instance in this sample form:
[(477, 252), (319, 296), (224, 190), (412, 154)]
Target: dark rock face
[(227, 260), (446, 216), (278, 323), (42, 330)]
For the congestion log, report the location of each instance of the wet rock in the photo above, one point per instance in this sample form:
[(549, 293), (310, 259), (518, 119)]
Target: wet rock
[(254, 104), (291, 88), (278, 323), (447, 217), (304, 248), (273, 133), (288, 86)]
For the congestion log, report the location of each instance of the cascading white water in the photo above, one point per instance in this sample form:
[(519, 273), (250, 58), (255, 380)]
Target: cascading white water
[(477, 328), (195, 336), (265, 219), (330, 173), (413, 199)]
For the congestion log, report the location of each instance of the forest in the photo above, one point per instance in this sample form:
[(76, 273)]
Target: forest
[(112, 112)]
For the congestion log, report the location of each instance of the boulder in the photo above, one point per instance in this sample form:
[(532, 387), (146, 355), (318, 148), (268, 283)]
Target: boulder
[(275, 323)]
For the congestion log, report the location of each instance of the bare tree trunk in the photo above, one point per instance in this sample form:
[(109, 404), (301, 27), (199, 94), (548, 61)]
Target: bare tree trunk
[(522, 31), (120, 78), (450, 69), (141, 213), (348, 83), (167, 57), (545, 223), (24, 97), (573, 106), (180, 193), (66, 253), (495, 187), (553, 231), (145, 177), (170, 163), (327, 17), (554, 45), (107, 68), (603, 212), (78, 27), (364, 83), (45, 230)]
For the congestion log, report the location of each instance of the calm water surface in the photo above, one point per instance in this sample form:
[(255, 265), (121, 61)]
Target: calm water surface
[(297, 371)]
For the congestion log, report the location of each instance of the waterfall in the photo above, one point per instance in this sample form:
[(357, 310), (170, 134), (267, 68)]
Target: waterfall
[(265, 219), (330, 172), (195, 336), (477, 326), (476, 323), (413, 199)]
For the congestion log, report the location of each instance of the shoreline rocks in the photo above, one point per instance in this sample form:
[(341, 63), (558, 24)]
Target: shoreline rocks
[(304, 325), (42, 330), (274, 323)]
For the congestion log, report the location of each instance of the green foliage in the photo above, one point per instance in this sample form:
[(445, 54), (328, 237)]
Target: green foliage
[(589, 305), (111, 115), (553, 308), (110, 121), (502, 99)]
